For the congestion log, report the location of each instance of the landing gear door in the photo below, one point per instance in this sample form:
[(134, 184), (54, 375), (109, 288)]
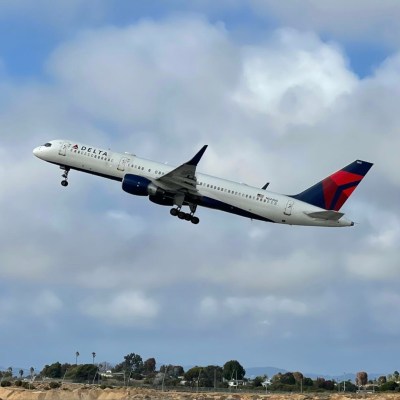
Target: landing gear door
[(122, 164), (289, 207), (63, 148)]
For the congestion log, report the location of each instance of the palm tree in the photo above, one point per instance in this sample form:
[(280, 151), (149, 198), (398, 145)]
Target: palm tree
[(21, 373), (32, 370), (76, 357), (10, 371), (93, 355)]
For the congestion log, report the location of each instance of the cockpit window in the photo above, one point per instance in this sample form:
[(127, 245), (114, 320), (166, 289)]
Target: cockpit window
[(47, 145)]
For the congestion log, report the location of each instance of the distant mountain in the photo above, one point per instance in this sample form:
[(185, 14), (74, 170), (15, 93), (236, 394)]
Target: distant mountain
[(252, 372), (348, 376)]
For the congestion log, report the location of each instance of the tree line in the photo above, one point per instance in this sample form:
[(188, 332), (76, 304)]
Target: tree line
[(133, 370)]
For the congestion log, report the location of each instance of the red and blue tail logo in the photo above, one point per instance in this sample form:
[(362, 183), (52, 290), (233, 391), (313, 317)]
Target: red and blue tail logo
[(332, 192)]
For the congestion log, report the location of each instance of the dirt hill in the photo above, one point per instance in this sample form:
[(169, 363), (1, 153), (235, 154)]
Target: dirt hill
[(94, 393)]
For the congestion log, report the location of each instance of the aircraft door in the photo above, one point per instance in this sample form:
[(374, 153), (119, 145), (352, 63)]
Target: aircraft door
[(63, 148), (122, 164), (289, 207)]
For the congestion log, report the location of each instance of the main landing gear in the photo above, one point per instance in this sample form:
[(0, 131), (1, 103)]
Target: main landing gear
[(176, 212), (64, 182)]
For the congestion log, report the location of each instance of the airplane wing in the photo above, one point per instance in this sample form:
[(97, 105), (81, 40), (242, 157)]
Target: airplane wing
[(327, 215), (182, 177)]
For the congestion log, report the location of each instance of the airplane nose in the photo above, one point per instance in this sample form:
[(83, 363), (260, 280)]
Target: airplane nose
[(36, 151)]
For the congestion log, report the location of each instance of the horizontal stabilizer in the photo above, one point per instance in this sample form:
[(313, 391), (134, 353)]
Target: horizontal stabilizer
[(327, 215)]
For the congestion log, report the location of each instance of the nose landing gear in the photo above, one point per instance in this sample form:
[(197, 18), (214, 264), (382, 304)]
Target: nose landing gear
[(64, 182)]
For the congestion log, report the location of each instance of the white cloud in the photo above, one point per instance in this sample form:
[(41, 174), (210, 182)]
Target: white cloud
[(278, 273), (269, 305), (379, 258), (383, 308), (210, 308), (295, 78), (117, 75), (359, 19), (46, 303), (29, 304), (261, 312), (161, 90), (124, 309)]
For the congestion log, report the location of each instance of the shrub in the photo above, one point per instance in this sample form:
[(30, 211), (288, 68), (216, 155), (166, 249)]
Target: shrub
[(18, 382), (27, 385), (388, 386), (103, 386), (5, 383), (54, 385)]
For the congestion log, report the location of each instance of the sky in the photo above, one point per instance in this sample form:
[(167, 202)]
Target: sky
[(282, 92)]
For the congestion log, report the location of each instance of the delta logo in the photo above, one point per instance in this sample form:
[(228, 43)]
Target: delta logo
[(91, 150)]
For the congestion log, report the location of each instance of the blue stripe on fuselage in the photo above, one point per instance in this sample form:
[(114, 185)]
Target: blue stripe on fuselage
[(220, 205)]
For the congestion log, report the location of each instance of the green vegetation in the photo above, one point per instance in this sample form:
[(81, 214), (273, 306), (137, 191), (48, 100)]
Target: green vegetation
[(84, 373), (210, 376), (391, 385), (54, 385), (231, 376), (132, 366), (233, 370), (55, 371)]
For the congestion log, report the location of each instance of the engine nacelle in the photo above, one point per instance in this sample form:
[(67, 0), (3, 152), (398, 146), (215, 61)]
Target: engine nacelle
[(162, 200), (135, 184), (140, 186)]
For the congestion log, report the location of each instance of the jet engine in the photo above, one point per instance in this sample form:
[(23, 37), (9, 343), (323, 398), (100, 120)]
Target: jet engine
[(162, 200), (140, 186)]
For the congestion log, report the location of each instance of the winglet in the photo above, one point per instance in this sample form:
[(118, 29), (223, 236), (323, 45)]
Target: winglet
[(195, 160)]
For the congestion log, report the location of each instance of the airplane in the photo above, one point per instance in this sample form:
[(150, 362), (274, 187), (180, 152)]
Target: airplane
[(181, 186)]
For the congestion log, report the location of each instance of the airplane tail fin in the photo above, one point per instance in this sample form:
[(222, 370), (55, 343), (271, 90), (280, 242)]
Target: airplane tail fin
[(332, 192)]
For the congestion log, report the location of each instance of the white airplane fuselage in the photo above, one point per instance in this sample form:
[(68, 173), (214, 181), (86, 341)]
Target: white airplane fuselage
[(209, 191)]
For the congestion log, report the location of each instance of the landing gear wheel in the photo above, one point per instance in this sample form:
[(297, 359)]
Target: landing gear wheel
[(176, 212), (64, 182), (194, 220)]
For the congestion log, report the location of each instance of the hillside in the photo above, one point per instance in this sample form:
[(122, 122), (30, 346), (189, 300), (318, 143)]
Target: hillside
[(82, 392)]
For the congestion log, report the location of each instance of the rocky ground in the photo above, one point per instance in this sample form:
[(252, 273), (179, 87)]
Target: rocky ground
[(94, 393)]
